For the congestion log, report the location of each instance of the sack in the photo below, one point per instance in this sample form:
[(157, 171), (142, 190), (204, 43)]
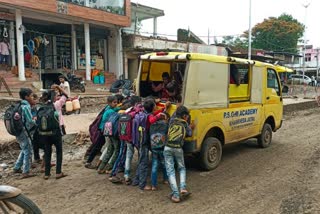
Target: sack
[(176, 133), (139, 126), (111, 126), (95, 134), (13, 119), (48, 120), (158, 135), (125, 123)]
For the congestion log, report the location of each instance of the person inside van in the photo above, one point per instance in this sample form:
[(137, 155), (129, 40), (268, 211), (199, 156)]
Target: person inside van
[(173, 92), (160, 88)]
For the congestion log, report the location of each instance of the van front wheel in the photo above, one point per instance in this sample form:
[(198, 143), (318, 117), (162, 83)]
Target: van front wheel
[(265, 138), (211, 153)]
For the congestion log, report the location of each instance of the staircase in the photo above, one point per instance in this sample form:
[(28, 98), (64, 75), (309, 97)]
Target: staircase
[(15, 84)]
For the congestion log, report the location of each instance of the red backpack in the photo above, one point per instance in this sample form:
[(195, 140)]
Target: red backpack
[(125, 123)]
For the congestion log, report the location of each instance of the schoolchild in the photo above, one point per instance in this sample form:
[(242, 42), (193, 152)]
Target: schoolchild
[(173, 152), (143, 128), (158, 137), (25, 139)]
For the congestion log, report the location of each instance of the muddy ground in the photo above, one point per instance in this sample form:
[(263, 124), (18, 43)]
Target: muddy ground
[(284, 178)]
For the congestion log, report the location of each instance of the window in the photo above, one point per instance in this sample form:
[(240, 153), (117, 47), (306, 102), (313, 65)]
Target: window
[(272, 80), (308, 57), (239, 74)]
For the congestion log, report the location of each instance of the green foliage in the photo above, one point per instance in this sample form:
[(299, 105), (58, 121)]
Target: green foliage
[(236, 42), (277, 34)]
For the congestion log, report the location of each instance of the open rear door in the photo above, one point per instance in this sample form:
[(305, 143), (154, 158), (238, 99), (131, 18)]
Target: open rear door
[(207, 85)]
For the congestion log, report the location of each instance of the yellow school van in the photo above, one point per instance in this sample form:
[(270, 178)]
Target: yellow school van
[(230, 99)]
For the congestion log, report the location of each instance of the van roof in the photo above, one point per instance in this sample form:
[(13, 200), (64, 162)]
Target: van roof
[(201, 56)]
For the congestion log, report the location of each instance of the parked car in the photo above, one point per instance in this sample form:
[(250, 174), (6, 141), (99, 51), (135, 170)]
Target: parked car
[(300, 79)]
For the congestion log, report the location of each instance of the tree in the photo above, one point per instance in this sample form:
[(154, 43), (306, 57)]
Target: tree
[(236, 42), (277, 34)]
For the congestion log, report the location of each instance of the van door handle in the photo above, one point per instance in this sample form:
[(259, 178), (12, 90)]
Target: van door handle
[(268, 98)]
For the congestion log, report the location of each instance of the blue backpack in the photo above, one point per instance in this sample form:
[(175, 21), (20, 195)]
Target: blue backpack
[(111, 126), (139, 126)]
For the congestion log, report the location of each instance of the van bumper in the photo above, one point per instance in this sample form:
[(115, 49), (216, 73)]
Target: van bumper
[(189, 146)]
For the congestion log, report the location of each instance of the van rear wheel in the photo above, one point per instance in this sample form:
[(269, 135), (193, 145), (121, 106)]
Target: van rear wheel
[(211, 153), (265, 138)]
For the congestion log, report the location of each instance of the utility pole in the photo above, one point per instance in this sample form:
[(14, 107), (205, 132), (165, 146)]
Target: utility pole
[(304, 45), (317, 68), (250, 31)]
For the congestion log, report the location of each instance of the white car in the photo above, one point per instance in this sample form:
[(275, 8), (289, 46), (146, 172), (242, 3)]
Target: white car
[(300, 79)]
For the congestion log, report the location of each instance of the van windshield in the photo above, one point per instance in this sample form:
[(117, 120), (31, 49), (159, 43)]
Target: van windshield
[(162, 79)]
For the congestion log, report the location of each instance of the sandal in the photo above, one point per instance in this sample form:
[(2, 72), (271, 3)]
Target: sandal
[(27, 175), (127, 181), (147, 188), (17, 171), (46, 177), (175, 199), (154, 188), (62, 175), (185, 194), (101, 172), (89, 166), (115, 180)]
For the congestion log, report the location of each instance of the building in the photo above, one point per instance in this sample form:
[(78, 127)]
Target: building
[(65, 34)]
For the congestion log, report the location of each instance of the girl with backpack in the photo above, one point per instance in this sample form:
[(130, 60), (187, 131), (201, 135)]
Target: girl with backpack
[(51, 128)]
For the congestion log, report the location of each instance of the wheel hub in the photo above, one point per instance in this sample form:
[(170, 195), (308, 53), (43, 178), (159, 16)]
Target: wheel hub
[(212, 154)]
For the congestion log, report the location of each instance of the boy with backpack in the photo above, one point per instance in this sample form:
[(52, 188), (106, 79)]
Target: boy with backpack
[(141, 126), (173, 152), (125, 135), (107, 126), (158, 137), (22, 126), (111, 107), (51, 128)]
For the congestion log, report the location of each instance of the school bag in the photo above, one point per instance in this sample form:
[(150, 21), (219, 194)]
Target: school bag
[(125, 123), (95, 134), (111, 126), (139, 126), (48, 120), (158, 134), (176, 133), (13, 119)]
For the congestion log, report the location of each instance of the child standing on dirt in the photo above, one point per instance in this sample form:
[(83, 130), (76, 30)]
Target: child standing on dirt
[(173, 152), (158, 137), (149, 106), (111, 152), (24, 139)]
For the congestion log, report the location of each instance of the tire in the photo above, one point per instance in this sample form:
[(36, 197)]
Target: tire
[(82, 88), (116, 86), (265, 138), (25, 203), (211, 153)]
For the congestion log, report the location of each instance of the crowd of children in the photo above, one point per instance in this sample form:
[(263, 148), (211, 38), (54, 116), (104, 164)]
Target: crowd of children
[(126, 125)]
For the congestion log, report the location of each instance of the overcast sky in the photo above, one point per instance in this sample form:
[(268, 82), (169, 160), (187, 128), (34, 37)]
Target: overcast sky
[(229, 17)]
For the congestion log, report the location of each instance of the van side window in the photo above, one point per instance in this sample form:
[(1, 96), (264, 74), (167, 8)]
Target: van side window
[(239, 74), (272, 80)]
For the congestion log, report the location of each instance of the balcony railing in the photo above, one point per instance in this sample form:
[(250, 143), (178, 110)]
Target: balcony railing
[(111, 6)]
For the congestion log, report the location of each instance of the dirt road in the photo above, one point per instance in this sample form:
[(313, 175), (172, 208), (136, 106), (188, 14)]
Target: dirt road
[(284, 178)]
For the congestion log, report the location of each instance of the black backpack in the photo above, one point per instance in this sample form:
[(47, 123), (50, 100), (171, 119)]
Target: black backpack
[(158, 134), (176, 133), (48, 120), (13, 119)]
